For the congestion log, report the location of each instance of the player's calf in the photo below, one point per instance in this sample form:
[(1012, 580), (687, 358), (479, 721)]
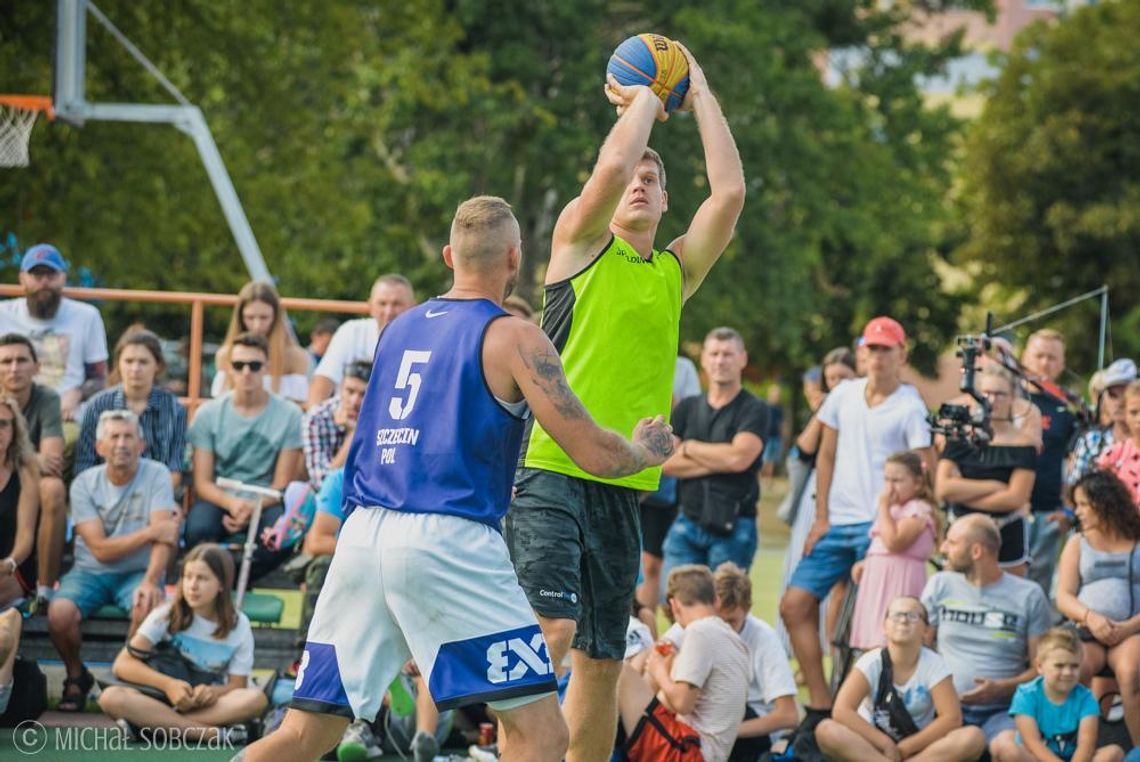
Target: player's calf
[(534, 731)]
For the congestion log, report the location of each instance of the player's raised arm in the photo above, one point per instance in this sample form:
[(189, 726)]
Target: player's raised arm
[(534, 365), (713, 225), (583, 226)]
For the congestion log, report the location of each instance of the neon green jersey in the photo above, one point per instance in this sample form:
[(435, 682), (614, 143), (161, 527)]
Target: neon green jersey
[(616, 325)]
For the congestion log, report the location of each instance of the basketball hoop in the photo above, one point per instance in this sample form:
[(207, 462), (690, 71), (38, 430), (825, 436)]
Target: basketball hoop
[(17, 117)]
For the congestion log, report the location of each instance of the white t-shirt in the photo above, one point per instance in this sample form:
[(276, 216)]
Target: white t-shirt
[(867, 436), (73, 338), (637, 638), (714, 659), (916, 693), (354, 340), (232, 655)]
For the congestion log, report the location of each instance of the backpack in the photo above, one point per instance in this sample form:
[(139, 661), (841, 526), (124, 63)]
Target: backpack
[(29, 693), (888, 712)]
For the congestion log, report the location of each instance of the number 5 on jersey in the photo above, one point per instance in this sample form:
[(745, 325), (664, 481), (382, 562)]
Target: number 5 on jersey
[(398, 407)]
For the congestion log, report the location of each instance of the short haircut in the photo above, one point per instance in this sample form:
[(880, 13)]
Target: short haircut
[(253, 340), (983, 530), (691, 584), (483, 228), (922, 614), (359, 369), (732, 586), (1046, 334), (1065, 638), (110, 416), (393, 279), (656, 159), (724, 333), (12, 339)]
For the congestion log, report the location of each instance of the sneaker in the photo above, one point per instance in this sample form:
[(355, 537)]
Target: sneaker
[(424, 747), (483, 753), (358, 743), (233, 736), (127, 730)]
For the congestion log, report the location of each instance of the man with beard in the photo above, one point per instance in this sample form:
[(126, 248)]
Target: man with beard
[(69, 337)]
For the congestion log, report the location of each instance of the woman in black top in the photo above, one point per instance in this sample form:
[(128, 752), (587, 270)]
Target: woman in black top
[(19, 505), (996, 478)]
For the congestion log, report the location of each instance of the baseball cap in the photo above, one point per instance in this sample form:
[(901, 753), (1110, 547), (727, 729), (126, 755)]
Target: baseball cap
[(884, 332), (1122, 371), (43, 255)]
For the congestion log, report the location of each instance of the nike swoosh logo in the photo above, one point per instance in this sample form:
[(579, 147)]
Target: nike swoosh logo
[(430, 314)]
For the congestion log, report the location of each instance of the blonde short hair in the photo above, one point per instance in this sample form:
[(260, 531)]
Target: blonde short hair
[(732, 586), (484, 226), (1046, 334), (691, 584), (1064, 638)]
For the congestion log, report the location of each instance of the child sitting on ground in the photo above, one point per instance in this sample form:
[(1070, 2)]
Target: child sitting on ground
[(1057, 717), (188, 665)]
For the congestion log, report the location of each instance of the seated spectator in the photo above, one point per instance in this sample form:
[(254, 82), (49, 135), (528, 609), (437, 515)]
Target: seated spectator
[(140, 363), (1098, 585), (722, 440), (191, 660), (899, 701), (319, 339), (10, 625), (328, 426), (771, 706), (248, 435), (69, 337), (356, 339), (1113, 428), (125, 530), (19, 505), (902, 539), (1123, 458), (987, 624), (40, 408), (689, 704), (1056, 716), (259, 312), (996, 478)]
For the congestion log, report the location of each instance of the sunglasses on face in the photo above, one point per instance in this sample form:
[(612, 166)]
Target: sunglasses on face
[(255, 366)]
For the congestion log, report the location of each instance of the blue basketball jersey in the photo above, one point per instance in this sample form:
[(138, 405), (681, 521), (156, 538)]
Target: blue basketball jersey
[(431, 438)]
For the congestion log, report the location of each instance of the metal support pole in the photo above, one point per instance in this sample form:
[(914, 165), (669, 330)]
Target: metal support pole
[(1103, 328), (71, 60)]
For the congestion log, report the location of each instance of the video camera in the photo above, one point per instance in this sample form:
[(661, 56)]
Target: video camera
[(961, 422)]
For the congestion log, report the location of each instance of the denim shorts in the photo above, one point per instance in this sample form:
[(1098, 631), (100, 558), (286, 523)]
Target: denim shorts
[(993, 721), (832, 558), (89, 590)]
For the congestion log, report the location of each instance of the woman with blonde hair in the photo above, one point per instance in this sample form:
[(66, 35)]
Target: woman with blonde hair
[(19, 505), (258, 311)]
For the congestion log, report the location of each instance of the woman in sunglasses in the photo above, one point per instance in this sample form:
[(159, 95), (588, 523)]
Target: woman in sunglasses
[(258, 311), (899, 701)]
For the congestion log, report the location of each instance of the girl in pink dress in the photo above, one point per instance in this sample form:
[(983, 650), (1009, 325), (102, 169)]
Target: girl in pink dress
[(902, 539)]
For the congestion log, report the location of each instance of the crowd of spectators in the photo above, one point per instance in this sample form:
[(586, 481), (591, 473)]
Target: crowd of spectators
[(1037, 526)]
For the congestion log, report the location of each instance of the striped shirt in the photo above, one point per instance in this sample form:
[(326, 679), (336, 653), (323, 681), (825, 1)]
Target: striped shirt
[(323, 439), (163, 425)]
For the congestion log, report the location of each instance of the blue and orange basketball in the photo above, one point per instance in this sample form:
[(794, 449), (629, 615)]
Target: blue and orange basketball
[(655, 61)]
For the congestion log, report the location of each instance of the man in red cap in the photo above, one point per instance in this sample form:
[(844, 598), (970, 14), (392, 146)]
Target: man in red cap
[(864, 421)]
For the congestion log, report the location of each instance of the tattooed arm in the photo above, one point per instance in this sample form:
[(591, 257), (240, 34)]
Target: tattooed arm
[(519, 355)]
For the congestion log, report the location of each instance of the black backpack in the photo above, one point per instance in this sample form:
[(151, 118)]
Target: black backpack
[(889, 713), (29, 693)]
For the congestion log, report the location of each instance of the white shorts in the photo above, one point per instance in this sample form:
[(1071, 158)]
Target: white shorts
[(430, 587)]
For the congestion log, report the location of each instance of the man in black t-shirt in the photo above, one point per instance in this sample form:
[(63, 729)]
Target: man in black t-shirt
[(721, 441), (1044, 356)]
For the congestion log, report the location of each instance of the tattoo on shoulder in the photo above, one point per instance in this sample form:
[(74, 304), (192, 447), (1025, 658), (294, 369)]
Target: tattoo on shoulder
[(546, 371)]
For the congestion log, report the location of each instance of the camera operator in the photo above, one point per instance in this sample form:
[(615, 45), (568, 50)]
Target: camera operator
[(995, 477)]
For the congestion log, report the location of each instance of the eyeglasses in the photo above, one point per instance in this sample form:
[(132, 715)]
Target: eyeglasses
[(255, 366), (904, 616)]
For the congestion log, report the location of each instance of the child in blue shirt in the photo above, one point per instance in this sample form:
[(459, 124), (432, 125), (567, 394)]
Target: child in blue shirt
[(1057, 718)]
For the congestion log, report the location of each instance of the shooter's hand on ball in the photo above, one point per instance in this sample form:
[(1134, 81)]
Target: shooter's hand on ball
[(697, 82), (623, 97), (655, 437)]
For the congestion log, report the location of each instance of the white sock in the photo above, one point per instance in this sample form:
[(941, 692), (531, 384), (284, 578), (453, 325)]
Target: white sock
[(45, 591)]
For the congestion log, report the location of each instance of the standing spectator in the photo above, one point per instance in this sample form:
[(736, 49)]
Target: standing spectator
[(1123, 458), (258, 311), (987, 624), (69, 337), (902, 538), (659, 509), (19, 505), (1056, 716), (328, 426), (1113, 424), (1044, 356), (40, 408), (863, 422), (1098, 585), (994, 478), (774, 440), (319, 339), (716, 462), (249, 435), (863, 728), (356, 339), (772, 692), (125, 535), (689, 705), (140, 363)]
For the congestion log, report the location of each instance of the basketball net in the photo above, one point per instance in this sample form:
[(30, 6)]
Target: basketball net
[(17, 117)]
